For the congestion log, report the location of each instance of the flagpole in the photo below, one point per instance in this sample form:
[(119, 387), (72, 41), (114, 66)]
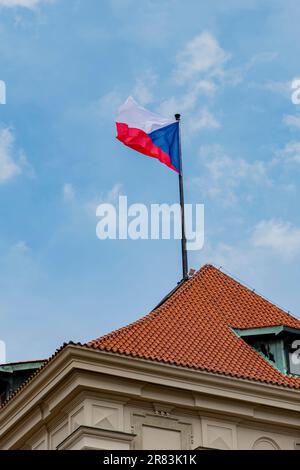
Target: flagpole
[(181, 194)]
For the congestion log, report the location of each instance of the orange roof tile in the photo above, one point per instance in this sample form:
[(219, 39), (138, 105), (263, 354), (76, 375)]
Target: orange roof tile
[(192, 328)]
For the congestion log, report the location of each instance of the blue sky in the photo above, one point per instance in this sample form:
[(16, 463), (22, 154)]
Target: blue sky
[(227, 67)]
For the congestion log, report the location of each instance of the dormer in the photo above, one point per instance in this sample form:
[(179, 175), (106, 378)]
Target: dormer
[(279, 345)]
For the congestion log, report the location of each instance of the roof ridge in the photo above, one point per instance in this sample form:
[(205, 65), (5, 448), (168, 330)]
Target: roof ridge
[(252, 290)]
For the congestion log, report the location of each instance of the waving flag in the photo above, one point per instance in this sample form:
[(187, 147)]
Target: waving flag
[(149, 133)]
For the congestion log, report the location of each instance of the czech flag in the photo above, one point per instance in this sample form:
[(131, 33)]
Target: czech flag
[(149, 133)]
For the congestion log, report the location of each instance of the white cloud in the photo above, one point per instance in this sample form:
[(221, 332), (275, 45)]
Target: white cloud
[(106, 107), (204, 57), (261, 58), (142, 90), (202, 54), (291, 152), (205, 87), (187, 101), (203, 120), (22, 3), (236, 75), (255, 266), (24, 165), (280, 88), (279, 236), (198, 66), (222, 175), (112, 196), (238, 258), (291, 121), (68, 192), (8, 166), (109, 197)]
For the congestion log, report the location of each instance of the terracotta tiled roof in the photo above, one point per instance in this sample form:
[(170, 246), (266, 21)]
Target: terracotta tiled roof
[(192, 328)]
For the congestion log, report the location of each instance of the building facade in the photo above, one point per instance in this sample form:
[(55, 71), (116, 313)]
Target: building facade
[(208, 368)]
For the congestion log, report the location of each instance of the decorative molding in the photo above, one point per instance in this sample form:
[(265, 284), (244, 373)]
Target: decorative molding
[(83, 434), (265, 443), (162, 409), (219, 434), (59, 434), (162, 423)]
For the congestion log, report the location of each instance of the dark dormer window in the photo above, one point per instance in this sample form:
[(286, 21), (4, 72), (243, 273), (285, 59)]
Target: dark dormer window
[(279, 345)]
